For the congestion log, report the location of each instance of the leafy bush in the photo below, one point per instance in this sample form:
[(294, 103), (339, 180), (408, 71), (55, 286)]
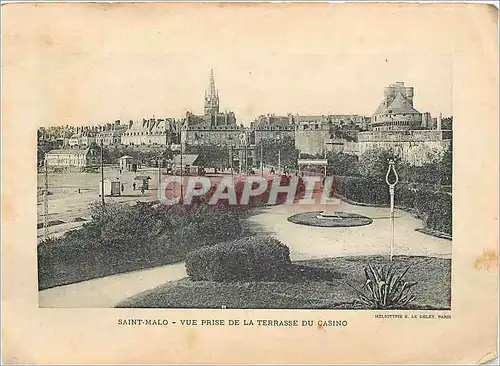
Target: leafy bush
[(123, 238), (342, 164), (385, 288), (373, 163), (435, 207), (362, 190), (210, 155), (248, 259), (438, 209), (286, 151)]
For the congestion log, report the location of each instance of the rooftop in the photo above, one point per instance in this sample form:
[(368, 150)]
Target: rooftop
[(187, 159), (68, 151), (399, 105)]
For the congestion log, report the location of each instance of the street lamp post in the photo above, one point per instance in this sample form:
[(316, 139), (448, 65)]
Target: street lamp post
[(261, 162), (279, 152), (246, 158), (46, 201), (279, 160), (232, 160), (391, 193), (159, 175), (182, 182), (102, 173)]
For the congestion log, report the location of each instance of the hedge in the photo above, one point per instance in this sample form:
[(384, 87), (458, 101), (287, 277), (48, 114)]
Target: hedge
[(434, 207), (362, 190), (248, 259), (124, 238)]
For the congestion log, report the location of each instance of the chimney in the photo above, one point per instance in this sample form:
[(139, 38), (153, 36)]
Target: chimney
[(439, 120)]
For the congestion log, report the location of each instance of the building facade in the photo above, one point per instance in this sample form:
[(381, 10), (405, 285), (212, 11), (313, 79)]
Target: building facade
[(213, 127), (73, 158), (315, 135), (272, 127), (152, 132), (110, 134), (312, 133), (83, 139)]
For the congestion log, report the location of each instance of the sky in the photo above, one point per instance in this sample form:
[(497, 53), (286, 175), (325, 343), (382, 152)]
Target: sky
[(96, 64)]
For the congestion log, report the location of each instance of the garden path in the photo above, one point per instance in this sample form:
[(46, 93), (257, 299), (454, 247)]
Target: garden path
[(305, 242), (108, 291)]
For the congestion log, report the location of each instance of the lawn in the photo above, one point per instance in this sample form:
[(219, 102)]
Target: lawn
[(121, 239), (61, 269), (315, 284)]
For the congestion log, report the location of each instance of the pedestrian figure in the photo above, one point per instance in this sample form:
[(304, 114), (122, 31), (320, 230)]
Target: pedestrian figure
[(123, 187), (78, 190), (142, 190), (133, 186)]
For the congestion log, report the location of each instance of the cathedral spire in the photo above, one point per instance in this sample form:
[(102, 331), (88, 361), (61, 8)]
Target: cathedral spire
[(212, 91), (211, 96)]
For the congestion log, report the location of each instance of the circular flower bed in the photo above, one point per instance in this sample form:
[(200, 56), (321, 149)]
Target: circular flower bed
[(330, 219)]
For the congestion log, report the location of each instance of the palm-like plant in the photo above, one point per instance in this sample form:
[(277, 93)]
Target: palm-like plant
[(385, 288)]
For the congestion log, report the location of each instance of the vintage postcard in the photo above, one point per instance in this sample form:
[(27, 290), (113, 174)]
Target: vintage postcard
[(249, 183)]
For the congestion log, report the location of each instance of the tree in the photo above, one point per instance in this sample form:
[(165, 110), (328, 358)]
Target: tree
[(447, 123), (210, 155), (373, 164), (342, 164), (447, 166), (437, 168), (272, 151)]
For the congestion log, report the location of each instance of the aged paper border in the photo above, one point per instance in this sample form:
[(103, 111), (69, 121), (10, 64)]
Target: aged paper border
[(467, 32)]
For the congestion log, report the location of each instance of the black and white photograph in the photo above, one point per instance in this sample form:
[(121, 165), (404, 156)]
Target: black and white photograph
[(337, 197)]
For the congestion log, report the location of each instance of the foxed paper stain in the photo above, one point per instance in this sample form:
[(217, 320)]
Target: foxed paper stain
[(487, 260), (191, 337)]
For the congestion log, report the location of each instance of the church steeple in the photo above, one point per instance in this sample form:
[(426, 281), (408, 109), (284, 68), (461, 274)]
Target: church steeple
[(211, 96)]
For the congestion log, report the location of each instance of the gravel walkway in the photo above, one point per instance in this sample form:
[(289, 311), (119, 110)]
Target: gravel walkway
[(305, 242)]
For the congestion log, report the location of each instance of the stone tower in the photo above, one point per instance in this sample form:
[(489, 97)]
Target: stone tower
[(211, 97), (391, 92), (396, 111)]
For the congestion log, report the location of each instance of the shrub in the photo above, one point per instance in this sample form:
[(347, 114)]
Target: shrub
[(123, 238), (385, 288), (146, 227), (436, 207), (362, 190), (373, 163), (342, 164), (439, 211), (253, 258)]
